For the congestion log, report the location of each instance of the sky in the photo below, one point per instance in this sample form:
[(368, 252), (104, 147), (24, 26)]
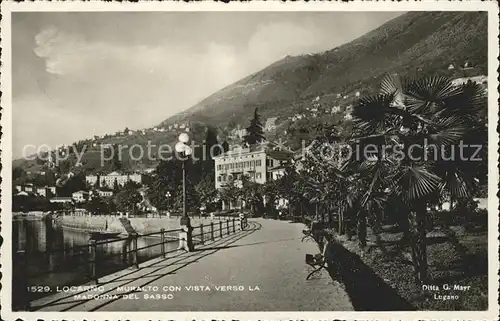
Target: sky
[(79, 74)]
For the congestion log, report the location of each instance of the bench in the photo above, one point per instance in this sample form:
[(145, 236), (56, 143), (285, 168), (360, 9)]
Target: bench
[(307, 233), (317, 262)]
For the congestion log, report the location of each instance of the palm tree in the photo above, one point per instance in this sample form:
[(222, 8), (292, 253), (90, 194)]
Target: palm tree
[(414, 118)]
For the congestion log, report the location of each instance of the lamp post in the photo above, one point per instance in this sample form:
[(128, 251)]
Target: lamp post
[(185, 150), (167, 196)]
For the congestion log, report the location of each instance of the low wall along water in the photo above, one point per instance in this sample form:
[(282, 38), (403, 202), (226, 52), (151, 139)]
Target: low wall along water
[(140, 225)]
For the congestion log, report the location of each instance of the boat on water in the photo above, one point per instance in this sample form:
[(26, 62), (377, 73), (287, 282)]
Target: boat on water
[(104, 235)]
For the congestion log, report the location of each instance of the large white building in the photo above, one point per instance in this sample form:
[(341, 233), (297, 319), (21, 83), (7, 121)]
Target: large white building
[(110, 179), (258, 163), (481, 80)]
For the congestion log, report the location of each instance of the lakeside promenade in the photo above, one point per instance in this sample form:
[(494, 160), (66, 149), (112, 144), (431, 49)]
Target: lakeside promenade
[(259, 269)]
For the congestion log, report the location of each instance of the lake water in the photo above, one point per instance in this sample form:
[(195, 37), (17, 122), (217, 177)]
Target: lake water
[(56, 256)]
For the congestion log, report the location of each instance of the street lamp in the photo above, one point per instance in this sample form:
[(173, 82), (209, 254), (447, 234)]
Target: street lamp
[(185, 150)]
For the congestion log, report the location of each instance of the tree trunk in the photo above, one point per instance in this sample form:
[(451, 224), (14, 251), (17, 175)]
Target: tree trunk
[(418, 237), (341, 217), (362, 229)]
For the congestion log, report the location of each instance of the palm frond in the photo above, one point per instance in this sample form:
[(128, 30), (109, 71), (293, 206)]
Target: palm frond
[(469, 100), (428, 95), (458, 184), (416, 182), (448, 130), (391, 84), (370, 111)]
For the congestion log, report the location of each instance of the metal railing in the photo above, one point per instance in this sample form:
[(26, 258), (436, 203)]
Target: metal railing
[(205, 233)]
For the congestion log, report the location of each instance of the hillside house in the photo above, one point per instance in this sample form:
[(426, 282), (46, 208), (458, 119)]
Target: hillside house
[(109, 180), (149, 170), (238, 133), (481, 80), (270, 124), (41, 191), (335, 109), (103, 192), (80, 196)]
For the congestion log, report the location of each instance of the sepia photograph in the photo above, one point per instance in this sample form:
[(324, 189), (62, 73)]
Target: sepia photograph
[(269, 161)]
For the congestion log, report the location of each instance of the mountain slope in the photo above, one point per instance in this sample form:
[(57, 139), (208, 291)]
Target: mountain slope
[(416, 43)]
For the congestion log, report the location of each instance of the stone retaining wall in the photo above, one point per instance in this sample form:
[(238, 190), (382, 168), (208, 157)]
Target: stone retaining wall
[(141, 225)]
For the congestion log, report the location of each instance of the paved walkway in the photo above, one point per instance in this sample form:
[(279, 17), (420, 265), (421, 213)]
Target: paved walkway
[(262, 269)]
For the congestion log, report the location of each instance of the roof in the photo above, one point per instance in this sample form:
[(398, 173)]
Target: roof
[(279, 154), (61, 199), (80, 192), (267, 147), (271, 121)]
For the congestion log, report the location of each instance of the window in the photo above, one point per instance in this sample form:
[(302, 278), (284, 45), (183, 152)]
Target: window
[(258, 175)]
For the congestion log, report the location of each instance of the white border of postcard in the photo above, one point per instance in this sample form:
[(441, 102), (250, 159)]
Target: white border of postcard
[(6, 121)]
